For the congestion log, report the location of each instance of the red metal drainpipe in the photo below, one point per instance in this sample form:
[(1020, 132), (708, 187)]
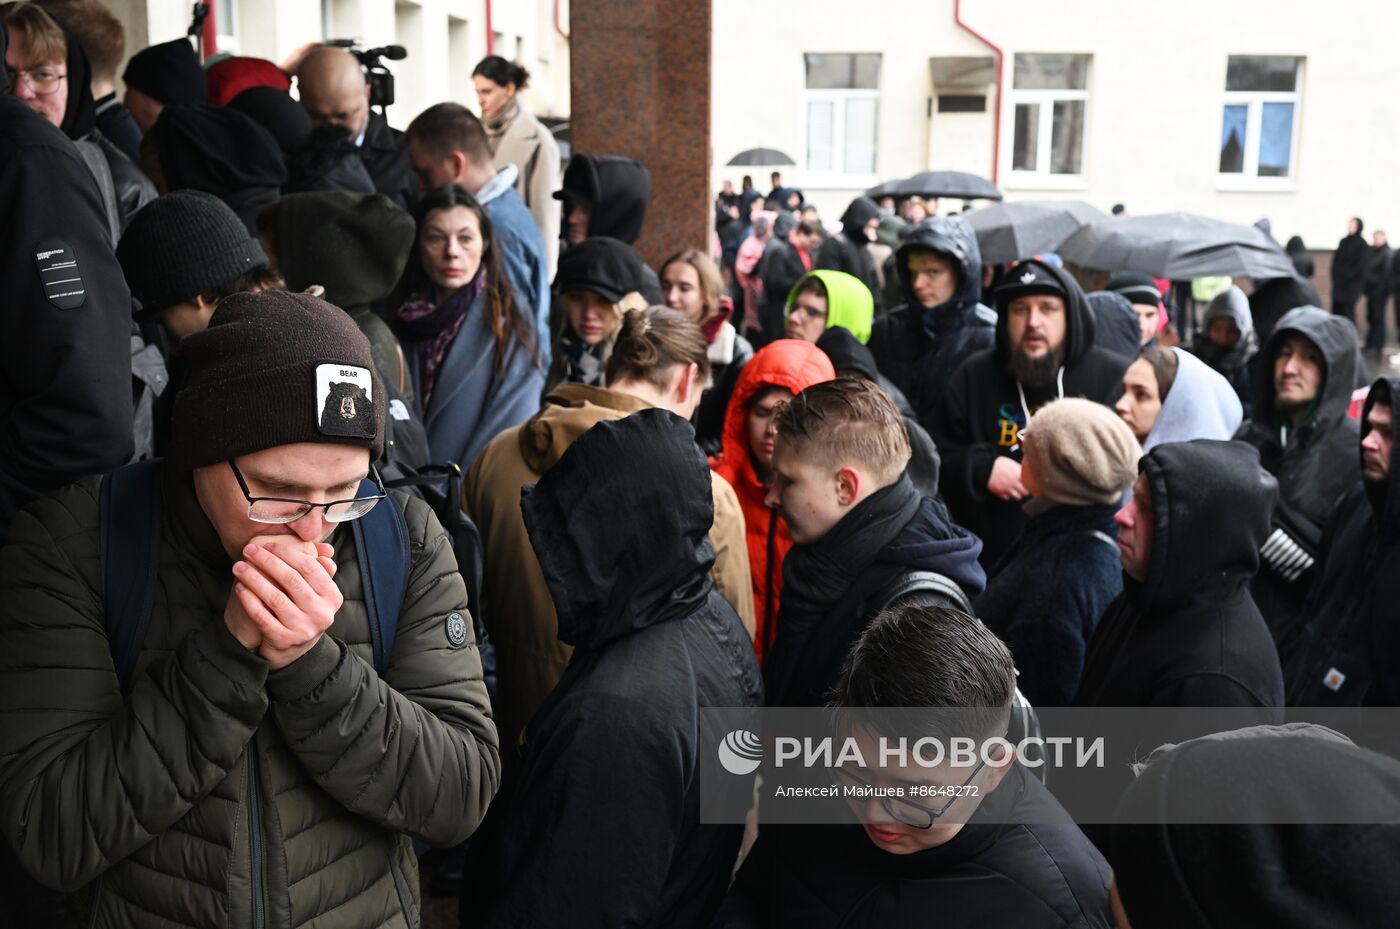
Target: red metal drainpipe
[(557, 26), (490, 35), (1001, 63), (209, 34)]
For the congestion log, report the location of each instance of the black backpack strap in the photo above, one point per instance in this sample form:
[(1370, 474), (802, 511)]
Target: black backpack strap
[(381, 546), (130, 532), (911, 582)]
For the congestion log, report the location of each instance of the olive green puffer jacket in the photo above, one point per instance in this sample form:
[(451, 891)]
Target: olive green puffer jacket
[(217, 794)]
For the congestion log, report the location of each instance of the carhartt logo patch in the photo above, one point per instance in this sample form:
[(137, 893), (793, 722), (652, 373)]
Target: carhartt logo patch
[(344, 401), (456, 630), (58, 271)]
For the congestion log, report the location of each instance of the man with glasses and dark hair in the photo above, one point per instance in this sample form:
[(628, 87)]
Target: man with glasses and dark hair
[(285, 723), (988, 847)]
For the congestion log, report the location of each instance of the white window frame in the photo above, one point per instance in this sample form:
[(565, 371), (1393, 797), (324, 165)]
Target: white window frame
[(227, 43), (1254, 101), (1041, 177), (837, 176)]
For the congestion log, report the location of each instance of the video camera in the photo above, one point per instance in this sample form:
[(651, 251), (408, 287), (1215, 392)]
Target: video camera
[(377, 75)]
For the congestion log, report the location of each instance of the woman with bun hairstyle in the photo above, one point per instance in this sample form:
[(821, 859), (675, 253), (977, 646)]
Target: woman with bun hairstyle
[(692, 284), (519, 139), (659, 360)]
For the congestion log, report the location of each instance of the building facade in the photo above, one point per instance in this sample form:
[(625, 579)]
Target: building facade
[(445, 39), (1237, 109)]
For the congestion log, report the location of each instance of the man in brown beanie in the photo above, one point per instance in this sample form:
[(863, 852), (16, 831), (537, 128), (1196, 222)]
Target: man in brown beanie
[(1046, 594), (276, 739)]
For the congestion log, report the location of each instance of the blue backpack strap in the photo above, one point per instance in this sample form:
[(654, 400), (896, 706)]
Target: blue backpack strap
[(381, 546), (130, 530)]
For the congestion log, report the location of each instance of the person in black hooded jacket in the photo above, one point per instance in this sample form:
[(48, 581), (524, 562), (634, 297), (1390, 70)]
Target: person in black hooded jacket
[(858, 525), (1116, 327), (919, 344), (607, 195), (605, 810), (219, 151), (1349, 638), (848, 250), (1303, 379), (1349, 269), (1044, 349), (1185, 631)]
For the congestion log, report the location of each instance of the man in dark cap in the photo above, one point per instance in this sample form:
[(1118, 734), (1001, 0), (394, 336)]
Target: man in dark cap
[(160, 75), (1146, 299), (1044, 350), (333, 89), (65, 370), (274, 751)]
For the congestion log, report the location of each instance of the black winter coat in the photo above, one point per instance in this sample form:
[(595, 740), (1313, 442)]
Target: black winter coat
[(779, 269), (65, 362), (1348, 650), (981, 417), (918, 347), (1349, 267), (603, 825), (1190, 635), (847, 250), (386, 159), (1020, 874), (1315, 464)]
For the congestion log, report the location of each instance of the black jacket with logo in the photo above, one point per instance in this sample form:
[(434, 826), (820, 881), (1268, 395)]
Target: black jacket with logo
[(982, 413)]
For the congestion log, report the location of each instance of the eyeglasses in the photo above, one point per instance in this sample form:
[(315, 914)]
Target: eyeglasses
[(907, 811), (43, 81), (279, 511)]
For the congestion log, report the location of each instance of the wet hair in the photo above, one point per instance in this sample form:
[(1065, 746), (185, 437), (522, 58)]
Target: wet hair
[(97, 29), (444, 128), (1164, 366), (848, 419), (503, 72), (934, 658), (654, 340), (43, 38), (711, 284), (503, 315)]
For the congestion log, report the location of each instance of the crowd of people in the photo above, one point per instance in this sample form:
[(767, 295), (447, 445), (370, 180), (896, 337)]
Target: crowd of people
[(792, 466)]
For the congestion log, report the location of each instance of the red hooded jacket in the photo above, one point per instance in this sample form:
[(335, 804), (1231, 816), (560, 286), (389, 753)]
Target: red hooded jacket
[(796, 365)]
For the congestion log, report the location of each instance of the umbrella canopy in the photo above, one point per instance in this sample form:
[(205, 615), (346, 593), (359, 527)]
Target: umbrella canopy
[(887, 189), (947, 184), (1012, 231), (1179, 246), (760, 156)]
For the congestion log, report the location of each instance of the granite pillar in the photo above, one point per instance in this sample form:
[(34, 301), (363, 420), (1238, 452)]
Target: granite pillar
[(640, 86)]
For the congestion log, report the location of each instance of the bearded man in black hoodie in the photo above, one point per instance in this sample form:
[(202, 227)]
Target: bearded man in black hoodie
[(602, 826), (860, 531), (1044, 350), (1348, 652), (849, 249)]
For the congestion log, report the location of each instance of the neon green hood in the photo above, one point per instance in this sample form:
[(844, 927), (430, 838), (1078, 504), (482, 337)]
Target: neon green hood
[(848, 302)]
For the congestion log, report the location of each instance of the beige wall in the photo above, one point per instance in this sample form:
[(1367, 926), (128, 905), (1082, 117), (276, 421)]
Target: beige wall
[(445, 39), (1156, 88)]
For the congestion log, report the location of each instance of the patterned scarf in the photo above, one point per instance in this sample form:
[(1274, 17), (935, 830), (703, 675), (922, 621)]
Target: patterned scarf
[(583, 363), (433, 326)]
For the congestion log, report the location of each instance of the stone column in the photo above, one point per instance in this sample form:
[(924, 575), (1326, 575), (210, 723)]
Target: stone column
[(640, 87)]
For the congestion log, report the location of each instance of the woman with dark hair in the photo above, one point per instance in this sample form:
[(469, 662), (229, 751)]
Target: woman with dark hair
[(1170, 395), (519, 139), (470, 345)]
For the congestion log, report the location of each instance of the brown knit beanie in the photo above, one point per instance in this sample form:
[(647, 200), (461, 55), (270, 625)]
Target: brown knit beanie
[(274, 368), (1081, 453)]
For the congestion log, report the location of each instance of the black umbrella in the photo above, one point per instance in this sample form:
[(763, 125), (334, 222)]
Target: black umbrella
[(887, 189), (1178, 246), (760, 156), (1012, 231), (948, 184)]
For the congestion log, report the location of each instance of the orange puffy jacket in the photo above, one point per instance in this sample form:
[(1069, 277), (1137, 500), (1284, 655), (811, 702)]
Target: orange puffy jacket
[(796, 365)]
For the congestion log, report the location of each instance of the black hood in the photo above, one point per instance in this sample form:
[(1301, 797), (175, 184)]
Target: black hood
[(1116, 327), (616, 191), (1079, 319), (861, 211), (216, 150), (953, 238), (623, 548), (847, 355), (4, 46), (1386, 498), (1335, 337), (1204, 490), (80, 115)]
